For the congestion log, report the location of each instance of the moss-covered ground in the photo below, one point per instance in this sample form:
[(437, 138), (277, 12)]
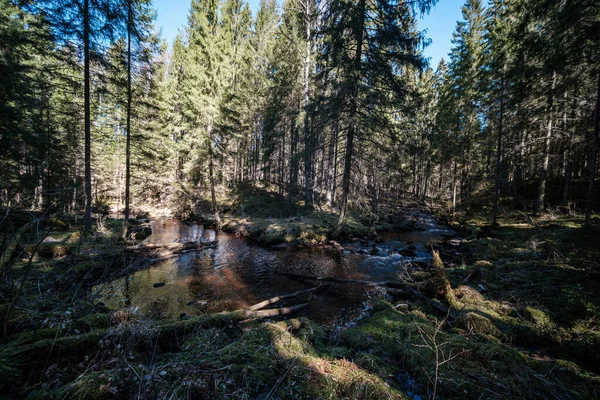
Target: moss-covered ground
[(262, 213), (523, 322)]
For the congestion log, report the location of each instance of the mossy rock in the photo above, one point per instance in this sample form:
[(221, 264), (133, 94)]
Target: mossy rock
[(538, 317), (472, 322)]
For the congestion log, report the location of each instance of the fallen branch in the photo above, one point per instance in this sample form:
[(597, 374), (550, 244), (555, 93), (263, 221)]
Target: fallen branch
[(277, 299), (389, 284), (173, 247), (274, 312)]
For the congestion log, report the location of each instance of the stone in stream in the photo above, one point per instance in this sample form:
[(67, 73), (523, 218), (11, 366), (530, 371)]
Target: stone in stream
[(408, 253)]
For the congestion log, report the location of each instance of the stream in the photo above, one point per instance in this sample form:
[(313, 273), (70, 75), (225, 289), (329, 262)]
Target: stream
[(238, 273)]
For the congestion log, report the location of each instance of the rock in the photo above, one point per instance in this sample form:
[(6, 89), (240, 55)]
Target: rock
[(159, 284), (482, 288), (408, 253)]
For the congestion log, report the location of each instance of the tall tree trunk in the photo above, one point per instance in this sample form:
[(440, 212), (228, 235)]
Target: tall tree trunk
[(331, 165), (308, 145), (454, 183), (427, 173), (282, 161), (211, 177), (128, 140), (541, 197), (590, 199), (293, 162), (87, 217), (353, 102), (498, 158), (414, 175), (335, 169), (569, 131)]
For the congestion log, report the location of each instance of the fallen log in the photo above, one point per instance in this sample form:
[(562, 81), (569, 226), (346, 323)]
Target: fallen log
[(389, 284), (173, 247), (167, 335), (277, 299), (274, 312)]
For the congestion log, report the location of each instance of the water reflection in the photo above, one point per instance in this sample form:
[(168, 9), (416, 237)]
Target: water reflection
[(237, 274)]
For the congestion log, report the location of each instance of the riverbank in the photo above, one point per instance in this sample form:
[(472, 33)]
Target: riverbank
[(262, 214)]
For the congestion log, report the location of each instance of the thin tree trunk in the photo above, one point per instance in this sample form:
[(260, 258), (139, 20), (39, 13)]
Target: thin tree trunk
[(335, 169), (87, 218), (331, 166), (128, 140), (211, 177), (414, 175), (541, 197), (427, 173), (454, 181), (569, 153), (498, 158), (308, 145), (293, 162), (590, 199)]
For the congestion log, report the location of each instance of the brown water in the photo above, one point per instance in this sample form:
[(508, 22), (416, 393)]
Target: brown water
[(238, 273)]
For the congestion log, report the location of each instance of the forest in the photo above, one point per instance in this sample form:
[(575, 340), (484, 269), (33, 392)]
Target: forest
[(294, 203)]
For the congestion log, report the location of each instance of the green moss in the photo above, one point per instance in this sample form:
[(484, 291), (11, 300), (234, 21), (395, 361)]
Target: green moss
[(477, 364), (538, 317), (472, 322)]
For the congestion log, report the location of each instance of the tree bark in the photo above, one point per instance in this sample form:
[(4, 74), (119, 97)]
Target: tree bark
[(87, 218)]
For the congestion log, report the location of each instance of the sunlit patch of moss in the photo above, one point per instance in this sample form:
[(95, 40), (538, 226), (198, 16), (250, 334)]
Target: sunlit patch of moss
[(538, 317), (476, 365)]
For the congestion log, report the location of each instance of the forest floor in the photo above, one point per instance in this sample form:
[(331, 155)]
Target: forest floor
[(523, 321)]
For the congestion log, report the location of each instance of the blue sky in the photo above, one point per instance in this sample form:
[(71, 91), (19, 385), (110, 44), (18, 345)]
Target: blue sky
[(440, 23)]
